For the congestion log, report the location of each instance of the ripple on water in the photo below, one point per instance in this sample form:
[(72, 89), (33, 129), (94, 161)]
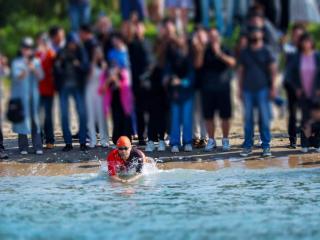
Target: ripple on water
[(178, 204)]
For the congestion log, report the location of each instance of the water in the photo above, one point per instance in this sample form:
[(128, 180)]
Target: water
[(231, 203)]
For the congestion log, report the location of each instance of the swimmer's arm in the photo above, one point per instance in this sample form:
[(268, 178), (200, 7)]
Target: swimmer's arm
[(134, 178), (118, 179)]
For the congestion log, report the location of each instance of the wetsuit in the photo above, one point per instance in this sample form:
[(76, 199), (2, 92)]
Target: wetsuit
[(133, 164)]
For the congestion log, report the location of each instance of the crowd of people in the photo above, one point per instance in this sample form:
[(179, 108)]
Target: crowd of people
[(173, 86)]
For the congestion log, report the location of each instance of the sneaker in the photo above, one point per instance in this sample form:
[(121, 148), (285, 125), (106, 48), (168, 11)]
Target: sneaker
[(23, 152), (67, 148), (3, 154), (188, 148), (225, 144), (292, 146), (304, 149), (195, 142), (150, 146), (105, 145), (266, 152), (92, 146), (162, 146), (210, 145), (39, 152), (175, 149), (83, 147), (49, 146), (246, 152), (202, 143)]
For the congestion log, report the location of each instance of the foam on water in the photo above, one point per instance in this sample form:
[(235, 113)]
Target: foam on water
[(230, 203)]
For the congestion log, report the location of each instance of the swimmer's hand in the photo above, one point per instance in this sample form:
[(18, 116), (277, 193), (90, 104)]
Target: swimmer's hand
[(134, 178), (118, 179)]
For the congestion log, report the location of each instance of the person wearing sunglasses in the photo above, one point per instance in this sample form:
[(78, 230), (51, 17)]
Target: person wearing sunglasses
[(125, 163)]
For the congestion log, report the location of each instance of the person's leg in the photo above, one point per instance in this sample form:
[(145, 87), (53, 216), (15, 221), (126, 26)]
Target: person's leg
[(153, 122), (218, 12), (125, 10), (292, 109), (263, 104), (187, 121), (85, 13), (91, 105), (205, 10), (81, 110), (248, 107), (35, 136), (225, 111), (231, 7), (1, 134), (211, 127), (64, 111), (196, 116), (102, 123), (140, 116), (225, 125), (305, 108), (23, 142), (48, 119), (74, 17), (140, 9), (175, 125)]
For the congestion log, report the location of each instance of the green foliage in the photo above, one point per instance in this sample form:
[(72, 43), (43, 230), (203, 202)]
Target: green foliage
[(20, 18)]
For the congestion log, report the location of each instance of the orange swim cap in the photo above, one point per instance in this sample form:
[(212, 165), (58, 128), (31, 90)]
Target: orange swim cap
[(123, 141)]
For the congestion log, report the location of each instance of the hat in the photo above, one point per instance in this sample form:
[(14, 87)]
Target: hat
[(27, 42), (123, 141)]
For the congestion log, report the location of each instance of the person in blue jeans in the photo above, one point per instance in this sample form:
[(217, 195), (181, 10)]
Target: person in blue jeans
[(257, 73), (79, 13), (70, 70), (132, 6), (206, 5), (179, 80)]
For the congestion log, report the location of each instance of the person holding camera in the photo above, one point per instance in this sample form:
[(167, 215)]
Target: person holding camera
[(4, 72), (26, 74)]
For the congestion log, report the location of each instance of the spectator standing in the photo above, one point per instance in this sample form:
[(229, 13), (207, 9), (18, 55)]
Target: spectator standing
[(26, 74), (71, 69), (46, 87), (4, 72), (305, 72), (290, 50), (216, 90), (94, 101), (140, 63), (257, 73)]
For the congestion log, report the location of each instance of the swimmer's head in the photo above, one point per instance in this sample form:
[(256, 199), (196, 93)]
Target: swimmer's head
[(124, 147)]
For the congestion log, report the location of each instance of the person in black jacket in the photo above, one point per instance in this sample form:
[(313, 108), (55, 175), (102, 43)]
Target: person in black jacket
[(70, 69), (305, 75), (140, 62)]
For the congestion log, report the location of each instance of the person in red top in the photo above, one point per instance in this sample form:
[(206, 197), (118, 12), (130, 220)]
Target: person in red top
[(46, 87), (125, 161)]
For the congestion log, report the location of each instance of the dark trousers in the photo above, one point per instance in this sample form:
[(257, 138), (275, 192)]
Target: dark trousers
[(1, 138), (46, 103), (305, 105), (157, 118), (23, 141), (141, 110), (77, 94), (292, 109), (122, 123)]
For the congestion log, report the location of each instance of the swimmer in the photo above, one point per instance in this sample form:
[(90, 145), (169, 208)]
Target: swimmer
[(125, 160)]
